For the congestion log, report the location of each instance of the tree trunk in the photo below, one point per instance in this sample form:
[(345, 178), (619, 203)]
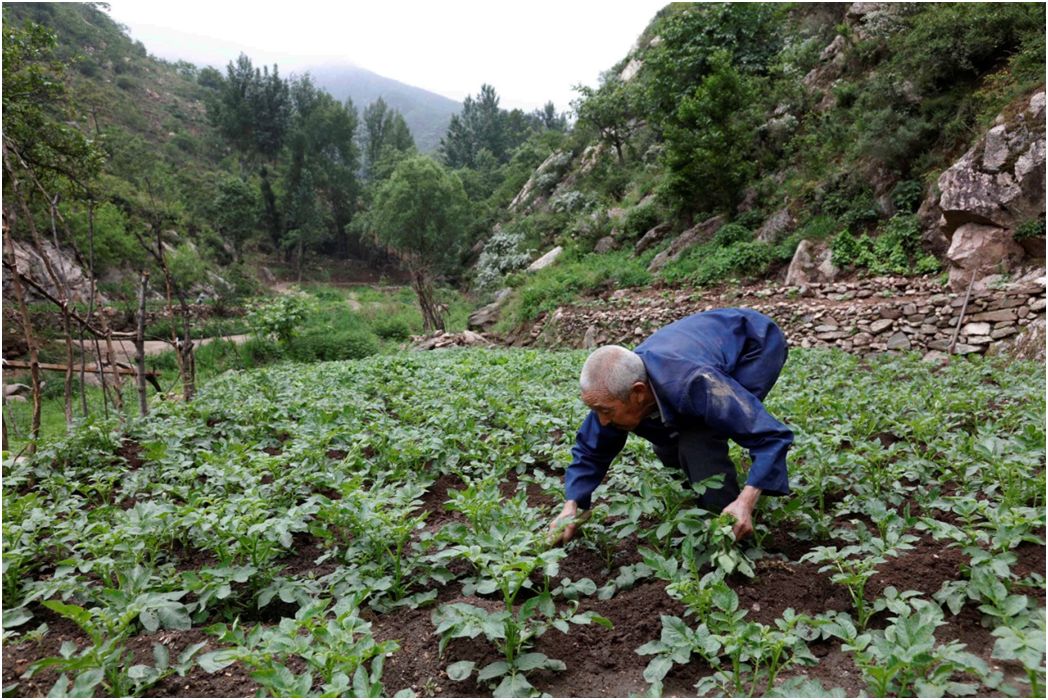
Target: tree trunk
[(269, 201), (140, 345), (27, 327), (432, 318)]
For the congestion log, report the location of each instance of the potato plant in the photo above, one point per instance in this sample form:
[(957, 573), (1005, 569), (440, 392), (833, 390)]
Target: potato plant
[(288, 508)]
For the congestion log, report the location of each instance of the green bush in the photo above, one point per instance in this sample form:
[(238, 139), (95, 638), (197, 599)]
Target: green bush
[(114, 243), (328, 345), (711, 263), (730, 234), (895, 250), (907, 195), (640, 220), (395, 328), (258, 351), (280, 318)]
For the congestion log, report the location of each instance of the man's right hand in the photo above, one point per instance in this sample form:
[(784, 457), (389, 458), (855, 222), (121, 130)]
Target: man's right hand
[(563, 527)]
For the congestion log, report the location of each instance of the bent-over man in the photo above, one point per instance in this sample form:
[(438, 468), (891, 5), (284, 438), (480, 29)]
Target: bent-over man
[(687, 389)]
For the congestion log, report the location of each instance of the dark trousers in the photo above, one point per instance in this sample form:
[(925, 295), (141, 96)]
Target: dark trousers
[(701, 453)]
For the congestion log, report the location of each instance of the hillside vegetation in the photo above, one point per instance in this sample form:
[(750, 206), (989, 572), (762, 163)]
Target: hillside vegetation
[(789, 122)]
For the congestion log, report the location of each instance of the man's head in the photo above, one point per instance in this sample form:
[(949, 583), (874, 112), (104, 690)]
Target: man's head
[(614, 384)]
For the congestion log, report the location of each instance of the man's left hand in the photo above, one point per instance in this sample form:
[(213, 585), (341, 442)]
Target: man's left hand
[(742, 510)]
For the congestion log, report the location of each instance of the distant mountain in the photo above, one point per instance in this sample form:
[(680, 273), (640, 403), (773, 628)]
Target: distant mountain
[(427, 114)]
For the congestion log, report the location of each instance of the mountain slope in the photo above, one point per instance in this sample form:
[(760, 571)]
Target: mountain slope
[(427, 114)]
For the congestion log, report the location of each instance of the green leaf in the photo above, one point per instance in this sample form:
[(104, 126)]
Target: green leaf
[(493, 670), (460, 670), (16, 616), (73, 612), (216, 660), (60, 689), (529, 661), (161, 656), (84, 685), (514, 686), (657, 669)]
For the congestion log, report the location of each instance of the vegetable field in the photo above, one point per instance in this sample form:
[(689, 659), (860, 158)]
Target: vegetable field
[(378, 527)]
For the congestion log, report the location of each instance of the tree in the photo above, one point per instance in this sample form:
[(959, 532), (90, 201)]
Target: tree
[(386, 136), (420, 213), (39, 121), (252, 109), (235, 212), (321, 185), (610, 110), (482, 124), (691, 33), (710, 146), (550, 119)]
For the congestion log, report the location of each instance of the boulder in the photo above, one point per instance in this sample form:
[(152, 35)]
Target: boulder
[(812, 263), (605, 245), (982, 250), (651, 237), (549, 167), (487, 316), (546, 260), (697, 234), (775, 226)]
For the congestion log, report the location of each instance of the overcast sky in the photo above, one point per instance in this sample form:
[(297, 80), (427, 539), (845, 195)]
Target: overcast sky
[(530, 51)]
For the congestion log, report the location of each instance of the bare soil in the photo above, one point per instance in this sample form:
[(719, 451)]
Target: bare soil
[(600, 662)]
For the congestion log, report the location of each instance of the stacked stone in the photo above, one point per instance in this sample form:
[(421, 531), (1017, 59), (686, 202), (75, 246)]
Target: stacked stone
[(891, 314)]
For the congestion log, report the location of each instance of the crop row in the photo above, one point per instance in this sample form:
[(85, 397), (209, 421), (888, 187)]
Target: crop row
[(189, 519)]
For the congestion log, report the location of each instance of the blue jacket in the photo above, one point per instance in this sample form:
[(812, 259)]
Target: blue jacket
[(711, 369)]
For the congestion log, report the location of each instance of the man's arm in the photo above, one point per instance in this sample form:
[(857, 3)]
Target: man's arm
[(595, 448)]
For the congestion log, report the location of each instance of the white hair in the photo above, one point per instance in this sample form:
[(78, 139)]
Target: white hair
[(612, 370)]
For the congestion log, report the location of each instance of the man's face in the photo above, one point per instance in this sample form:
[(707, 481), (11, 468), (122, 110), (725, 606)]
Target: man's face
[(624, 415)]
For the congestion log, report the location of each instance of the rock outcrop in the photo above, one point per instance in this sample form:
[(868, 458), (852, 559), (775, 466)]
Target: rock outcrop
[(487, 316), (994, 188), (546, 260), (30, 263), (692, 237)]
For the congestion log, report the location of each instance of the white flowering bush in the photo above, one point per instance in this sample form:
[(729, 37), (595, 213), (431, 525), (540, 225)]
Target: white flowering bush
[(502, 254)]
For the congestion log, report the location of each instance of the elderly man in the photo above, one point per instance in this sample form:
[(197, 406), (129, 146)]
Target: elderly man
[(687, 389)]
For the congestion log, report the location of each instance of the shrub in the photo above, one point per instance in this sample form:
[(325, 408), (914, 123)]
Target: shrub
[(894, 250), (503, 253), (1029, 229), (711, 262), (279, 318), (260, 351), (325, 345), (907, 195), (640, 219), (395, 328), (729, 234)]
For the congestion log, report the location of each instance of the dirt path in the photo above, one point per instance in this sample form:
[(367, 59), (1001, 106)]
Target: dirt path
[(125, 349)]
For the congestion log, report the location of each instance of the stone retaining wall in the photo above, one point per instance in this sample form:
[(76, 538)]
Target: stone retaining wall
[(867, 316)]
